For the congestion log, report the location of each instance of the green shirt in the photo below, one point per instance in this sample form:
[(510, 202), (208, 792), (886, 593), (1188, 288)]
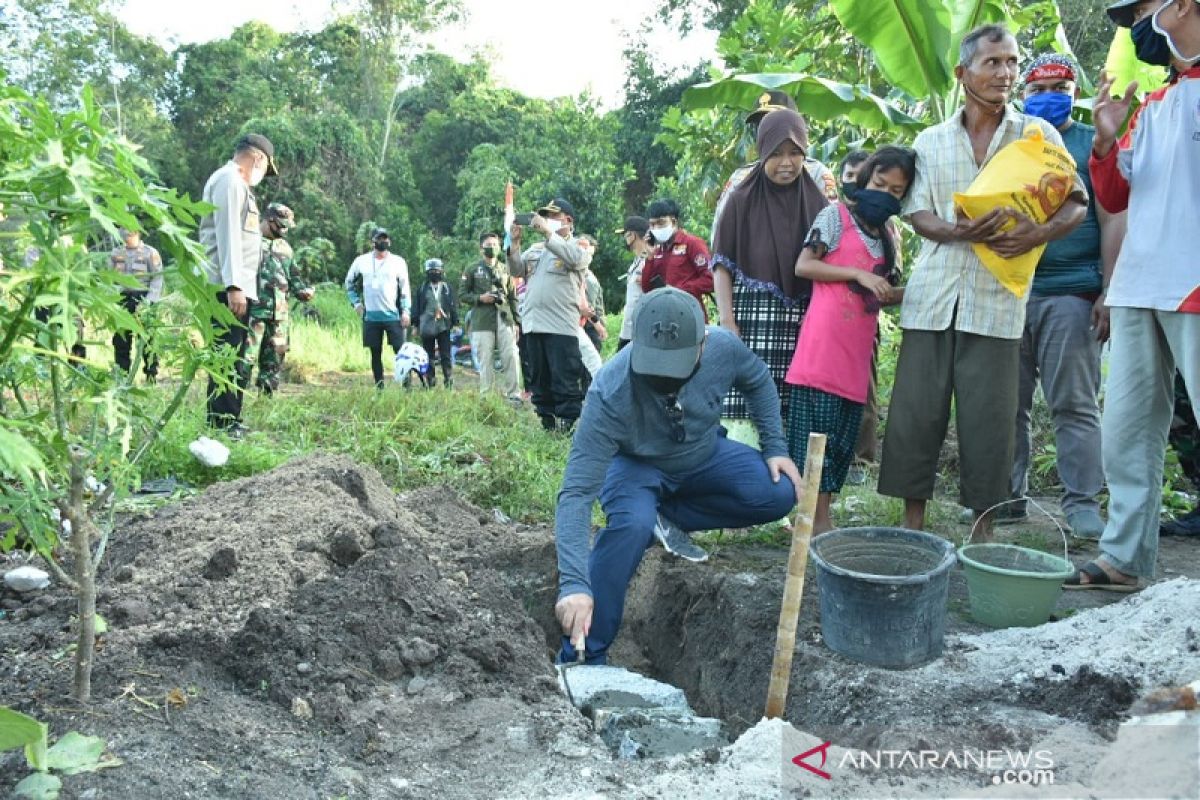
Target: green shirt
[(482, 279)]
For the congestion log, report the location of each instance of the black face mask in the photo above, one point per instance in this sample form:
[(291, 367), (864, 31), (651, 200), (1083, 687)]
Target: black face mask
[(382, 246), (435, 277), (662, 385), (875, 207), (848, 189), (489, 252), (1149, 45)]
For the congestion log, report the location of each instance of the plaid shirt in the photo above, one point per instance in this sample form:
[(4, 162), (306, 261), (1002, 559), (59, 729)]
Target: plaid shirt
[(949, 284)]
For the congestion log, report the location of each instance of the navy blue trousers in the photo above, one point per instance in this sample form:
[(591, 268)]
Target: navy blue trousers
[(732, 490)]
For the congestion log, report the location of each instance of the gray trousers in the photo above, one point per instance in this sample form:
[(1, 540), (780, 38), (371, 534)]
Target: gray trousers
[(1059, 350), (1147, 347)]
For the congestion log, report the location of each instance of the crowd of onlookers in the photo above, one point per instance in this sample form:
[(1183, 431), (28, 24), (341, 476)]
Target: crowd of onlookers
[(800, 272), (799, 262)]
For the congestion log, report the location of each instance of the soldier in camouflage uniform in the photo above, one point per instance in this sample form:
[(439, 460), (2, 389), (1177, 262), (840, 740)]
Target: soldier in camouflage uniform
[(267, 339), (1185, 438)]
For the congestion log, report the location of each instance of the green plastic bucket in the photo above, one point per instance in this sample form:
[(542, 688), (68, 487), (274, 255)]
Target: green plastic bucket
[(1011, 586)]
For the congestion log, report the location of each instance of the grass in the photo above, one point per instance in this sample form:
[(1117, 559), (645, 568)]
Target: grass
[(495, 455)]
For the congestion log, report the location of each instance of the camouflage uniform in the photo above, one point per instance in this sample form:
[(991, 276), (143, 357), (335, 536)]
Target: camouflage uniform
[(269, 313), (1185, 436)]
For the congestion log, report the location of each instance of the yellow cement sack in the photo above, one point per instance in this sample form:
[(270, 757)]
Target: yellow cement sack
[(1031, 176)]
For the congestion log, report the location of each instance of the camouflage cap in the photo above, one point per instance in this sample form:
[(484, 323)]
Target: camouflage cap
[(282, 215)]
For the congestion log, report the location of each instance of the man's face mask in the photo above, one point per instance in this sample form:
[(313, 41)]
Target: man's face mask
[(489, 251), (435, 276), (1149, 44), (1054, 107), (662, 385), (662, 234), (258, 173), (382, 245)]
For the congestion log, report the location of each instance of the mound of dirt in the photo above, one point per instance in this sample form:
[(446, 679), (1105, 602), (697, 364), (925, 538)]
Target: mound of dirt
[(308, 633)]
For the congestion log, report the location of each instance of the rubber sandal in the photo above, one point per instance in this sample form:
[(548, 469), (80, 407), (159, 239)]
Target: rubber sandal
[(1097, 579)]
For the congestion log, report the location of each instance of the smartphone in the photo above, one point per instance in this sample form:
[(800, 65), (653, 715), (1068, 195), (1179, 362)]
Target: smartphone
[(523, 219)]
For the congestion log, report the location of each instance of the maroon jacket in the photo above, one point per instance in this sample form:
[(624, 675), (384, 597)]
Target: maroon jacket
[(682, 261)]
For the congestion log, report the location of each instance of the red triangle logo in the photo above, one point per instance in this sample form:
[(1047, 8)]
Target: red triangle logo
[(822, 749)]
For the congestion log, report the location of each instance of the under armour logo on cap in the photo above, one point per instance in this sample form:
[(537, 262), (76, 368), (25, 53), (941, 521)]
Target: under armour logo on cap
[(670, 330)]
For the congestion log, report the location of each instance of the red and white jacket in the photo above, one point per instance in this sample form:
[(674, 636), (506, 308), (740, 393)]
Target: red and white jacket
[(1154, 172)]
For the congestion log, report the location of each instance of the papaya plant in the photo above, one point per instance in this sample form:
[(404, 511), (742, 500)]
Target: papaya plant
[(71, 430)]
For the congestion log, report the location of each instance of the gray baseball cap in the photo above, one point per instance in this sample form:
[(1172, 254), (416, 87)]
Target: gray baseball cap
[(668, 330)]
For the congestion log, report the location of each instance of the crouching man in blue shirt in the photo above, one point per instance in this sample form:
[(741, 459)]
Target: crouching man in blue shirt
[(650, 446)]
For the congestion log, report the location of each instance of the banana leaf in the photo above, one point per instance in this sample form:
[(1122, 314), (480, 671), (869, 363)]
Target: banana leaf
[(817, 98), (911, 40)]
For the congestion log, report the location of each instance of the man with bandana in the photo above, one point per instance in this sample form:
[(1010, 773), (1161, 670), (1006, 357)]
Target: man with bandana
[(650, 446), (962, 328), (1153, 170), (1066, 321)]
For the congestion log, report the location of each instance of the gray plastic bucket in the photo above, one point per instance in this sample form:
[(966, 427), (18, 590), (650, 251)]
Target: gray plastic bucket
[(883, 593)]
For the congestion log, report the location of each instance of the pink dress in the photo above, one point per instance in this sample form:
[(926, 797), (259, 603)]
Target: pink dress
[(833, 351)]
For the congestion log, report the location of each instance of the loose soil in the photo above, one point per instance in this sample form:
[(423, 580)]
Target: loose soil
[(308, 633)]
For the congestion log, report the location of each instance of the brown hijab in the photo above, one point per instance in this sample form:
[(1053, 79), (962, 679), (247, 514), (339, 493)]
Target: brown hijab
[(763, 226)]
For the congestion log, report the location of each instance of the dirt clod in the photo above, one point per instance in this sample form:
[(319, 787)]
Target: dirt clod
[(346, 549), (222, 564)]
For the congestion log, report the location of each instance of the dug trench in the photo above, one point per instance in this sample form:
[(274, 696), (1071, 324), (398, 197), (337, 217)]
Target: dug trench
[(309, 633)]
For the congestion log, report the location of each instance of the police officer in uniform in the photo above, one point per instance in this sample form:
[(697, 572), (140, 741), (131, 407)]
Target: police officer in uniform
[(141, 261)]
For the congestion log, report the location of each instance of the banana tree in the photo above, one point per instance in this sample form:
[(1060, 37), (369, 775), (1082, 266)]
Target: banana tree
[(914, 45)]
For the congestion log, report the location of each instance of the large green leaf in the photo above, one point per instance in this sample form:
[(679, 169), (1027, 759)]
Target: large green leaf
[(817, 98), (19, 730), (910, 39)]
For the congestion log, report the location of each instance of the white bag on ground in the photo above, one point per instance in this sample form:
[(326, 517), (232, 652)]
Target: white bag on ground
[(209, 452)]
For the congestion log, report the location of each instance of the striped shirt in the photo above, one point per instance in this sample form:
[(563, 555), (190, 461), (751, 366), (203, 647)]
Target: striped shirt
[(949, 284)]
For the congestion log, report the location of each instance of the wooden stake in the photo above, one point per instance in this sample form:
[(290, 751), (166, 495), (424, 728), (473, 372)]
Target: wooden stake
[(793, 587)]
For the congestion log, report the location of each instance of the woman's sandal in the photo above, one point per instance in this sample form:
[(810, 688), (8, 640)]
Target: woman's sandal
[(1097, 579)]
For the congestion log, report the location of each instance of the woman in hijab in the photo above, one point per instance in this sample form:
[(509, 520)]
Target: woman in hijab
[(758, 239)]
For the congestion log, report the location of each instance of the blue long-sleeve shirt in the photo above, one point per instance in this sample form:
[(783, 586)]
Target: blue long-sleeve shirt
[(623, 415)]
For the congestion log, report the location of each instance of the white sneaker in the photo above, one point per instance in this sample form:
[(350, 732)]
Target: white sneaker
[(677, 542)]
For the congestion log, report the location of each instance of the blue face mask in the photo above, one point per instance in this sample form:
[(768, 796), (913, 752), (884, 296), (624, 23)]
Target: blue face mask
[(1054, 107)]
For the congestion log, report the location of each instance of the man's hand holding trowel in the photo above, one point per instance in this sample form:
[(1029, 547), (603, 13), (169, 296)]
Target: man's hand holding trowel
[(574, 613)]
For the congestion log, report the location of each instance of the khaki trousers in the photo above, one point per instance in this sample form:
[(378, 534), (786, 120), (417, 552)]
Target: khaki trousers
[(484, 344)]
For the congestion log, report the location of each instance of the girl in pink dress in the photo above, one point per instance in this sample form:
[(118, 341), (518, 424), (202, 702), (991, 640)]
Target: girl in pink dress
[(850, 256)]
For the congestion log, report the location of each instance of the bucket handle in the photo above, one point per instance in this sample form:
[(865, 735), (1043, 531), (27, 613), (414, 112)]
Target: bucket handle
[(1061, 531)]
